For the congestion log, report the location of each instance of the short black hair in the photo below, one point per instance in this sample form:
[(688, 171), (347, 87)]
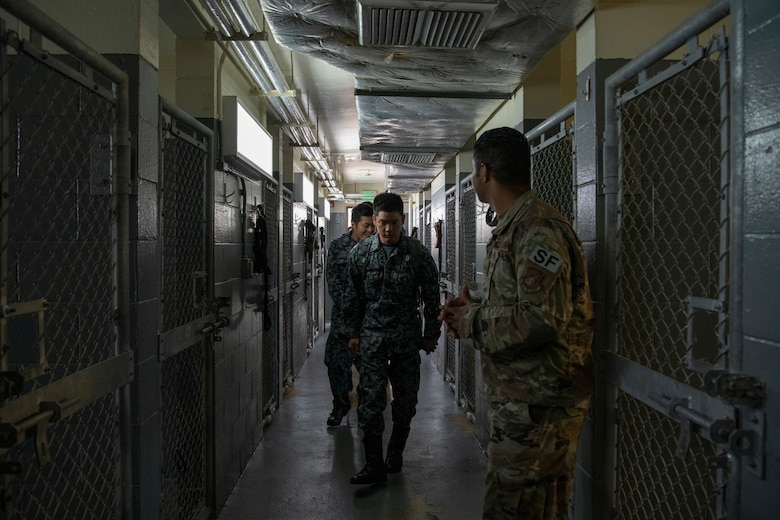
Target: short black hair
[(388, 202), (506, 152), (364, 209)]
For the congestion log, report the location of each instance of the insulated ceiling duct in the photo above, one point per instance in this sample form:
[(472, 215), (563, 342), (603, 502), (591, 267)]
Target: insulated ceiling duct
[(424, 92)]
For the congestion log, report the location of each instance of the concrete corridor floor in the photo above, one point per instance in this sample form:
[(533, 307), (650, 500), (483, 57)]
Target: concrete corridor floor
[(301, 469)]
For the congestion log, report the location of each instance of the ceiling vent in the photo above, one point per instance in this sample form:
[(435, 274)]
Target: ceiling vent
[(407, 158), (413, 23)]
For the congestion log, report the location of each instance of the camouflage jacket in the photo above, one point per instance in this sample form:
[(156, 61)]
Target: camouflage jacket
[(385, 294), (336, 276), (535, 322)]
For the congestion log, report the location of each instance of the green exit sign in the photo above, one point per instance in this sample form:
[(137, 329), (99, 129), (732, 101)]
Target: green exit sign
[(368, 192)]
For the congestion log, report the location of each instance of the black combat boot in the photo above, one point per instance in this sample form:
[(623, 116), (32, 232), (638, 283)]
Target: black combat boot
[(374, 471), (395, 448)]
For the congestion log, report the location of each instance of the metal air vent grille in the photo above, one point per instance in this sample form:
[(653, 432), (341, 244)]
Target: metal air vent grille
[(448, 25), (408, 158)]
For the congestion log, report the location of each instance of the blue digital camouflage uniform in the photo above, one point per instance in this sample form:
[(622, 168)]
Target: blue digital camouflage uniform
[(385, 293), (534, 327), (338, 357)]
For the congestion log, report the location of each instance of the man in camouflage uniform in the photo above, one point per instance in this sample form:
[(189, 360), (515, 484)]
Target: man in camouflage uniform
[(338, 357), (389, 274), (534, 327)]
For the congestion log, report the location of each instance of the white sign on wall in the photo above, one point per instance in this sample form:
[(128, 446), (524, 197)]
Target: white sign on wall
[(245, 138)]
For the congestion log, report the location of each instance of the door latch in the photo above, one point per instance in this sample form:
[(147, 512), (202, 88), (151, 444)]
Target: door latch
[(736, 389), (36, 427)]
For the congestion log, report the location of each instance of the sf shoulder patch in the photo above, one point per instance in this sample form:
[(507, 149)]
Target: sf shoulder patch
[(545, 259)]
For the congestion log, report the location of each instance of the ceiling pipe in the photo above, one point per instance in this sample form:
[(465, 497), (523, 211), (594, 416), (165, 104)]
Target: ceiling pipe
[(218, 16), (233, 16), (241, 16)]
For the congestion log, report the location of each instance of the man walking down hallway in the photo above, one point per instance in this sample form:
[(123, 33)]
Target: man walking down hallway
[(300, 471)]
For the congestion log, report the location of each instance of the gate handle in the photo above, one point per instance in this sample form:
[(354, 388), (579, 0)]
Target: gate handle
[(49, 412), (719, 430)]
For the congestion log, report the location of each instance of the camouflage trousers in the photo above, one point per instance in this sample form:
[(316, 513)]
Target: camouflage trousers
[(339, 360), (531, 456), (376, 369)]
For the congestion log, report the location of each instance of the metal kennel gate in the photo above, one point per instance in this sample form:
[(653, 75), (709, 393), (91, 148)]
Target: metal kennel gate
[(450, 274), (64, 277), (185, 311), (675, 401), (287, 285), (270, 361), (468, 270)]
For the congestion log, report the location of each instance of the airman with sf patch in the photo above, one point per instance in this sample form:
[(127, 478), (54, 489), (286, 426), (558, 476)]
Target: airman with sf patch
[(534, 327)]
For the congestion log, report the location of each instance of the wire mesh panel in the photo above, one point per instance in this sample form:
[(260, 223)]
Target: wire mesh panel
[(427, 226), (183, 398), (450, 237), (182, 224), (451, 367), (183, 487), (287, 337), (552, 172), (287, 235), (468, 364), (671, 205), (316, 302), (421, 228), (653, 481), (670, 249), (81, 479), (468, 251), (468, 230), (57, 272), (316, 271), (271, 208), (270, 360), (301, 296)]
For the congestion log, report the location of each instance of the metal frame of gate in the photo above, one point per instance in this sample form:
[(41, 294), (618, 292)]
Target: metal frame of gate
[(70, 383), (185, 349), (674, 380)]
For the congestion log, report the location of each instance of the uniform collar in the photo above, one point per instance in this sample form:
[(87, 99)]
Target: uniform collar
[(518, 209), (376, 244)]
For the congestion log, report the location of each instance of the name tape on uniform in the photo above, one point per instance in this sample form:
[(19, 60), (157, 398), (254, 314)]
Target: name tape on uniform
[(545, 259)]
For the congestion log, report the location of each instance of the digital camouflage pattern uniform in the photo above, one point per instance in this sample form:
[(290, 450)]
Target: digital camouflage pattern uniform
[(534, 327), (338, 357), (385, 292)]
